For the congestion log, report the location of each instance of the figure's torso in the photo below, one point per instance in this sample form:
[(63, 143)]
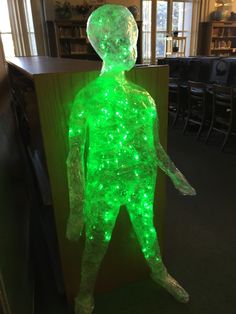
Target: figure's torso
[(120, 121)]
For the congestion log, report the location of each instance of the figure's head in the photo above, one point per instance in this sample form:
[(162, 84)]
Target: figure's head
[(113, 33)]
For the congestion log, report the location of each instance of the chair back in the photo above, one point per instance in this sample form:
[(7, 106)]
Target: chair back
[(194, 67), (196, 90), (232, 74), (223, 104), (220, 71), (222, 96), (205, 69)]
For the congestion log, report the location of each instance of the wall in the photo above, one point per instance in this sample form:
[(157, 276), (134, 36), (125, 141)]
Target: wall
[(212, 5), (48, 9), (123, 2), (234, 5)]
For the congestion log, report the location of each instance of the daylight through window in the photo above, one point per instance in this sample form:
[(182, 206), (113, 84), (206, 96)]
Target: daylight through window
[(180, 21)]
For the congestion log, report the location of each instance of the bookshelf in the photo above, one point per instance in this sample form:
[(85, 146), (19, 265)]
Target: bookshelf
[(72, 41), (217, 38)]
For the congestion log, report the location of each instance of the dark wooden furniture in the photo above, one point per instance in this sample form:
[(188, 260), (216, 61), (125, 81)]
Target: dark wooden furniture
[(217, 38), (206, 70), (223, 113), (56, 82)]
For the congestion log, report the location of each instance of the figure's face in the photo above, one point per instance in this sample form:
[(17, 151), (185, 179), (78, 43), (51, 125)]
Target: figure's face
[(120, 52), (113, 33)]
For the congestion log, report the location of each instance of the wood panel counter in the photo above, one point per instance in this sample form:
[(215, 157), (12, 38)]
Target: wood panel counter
[(33, 66), (56, 82)]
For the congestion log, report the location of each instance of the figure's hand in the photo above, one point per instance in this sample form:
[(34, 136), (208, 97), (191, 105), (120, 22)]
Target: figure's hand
[(182, 184), (74, 227)]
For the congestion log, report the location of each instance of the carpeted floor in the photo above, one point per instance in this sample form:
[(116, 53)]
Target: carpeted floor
[(200, 241)]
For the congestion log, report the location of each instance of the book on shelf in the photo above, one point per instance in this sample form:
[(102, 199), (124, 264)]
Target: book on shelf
[(221, 44)]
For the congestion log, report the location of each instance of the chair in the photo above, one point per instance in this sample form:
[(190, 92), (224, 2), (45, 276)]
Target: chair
[(196, 110), (223, 113)]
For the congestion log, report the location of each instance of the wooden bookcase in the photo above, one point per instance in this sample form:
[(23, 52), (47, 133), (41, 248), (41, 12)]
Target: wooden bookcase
[(217, 38), (72, 42)]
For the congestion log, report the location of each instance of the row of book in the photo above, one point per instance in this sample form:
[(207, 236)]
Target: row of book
[(221, 44)]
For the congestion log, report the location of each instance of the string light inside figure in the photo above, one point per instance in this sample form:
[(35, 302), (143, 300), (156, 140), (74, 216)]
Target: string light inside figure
[(114, 152)]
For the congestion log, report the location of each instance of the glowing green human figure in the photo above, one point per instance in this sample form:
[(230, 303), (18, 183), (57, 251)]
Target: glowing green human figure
[(114, 123)]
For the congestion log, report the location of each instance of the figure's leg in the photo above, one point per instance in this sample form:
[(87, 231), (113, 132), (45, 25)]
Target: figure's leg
[(100, 221), (141, 214)]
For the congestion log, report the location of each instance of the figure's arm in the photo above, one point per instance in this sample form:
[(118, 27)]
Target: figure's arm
[(76, 174), (167, 165)]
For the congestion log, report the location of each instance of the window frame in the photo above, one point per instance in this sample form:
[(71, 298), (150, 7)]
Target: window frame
[(24, 43)]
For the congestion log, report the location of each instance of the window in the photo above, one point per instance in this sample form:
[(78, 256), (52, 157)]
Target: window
[(180, 19), (161, 30), (30, 27), (147, 6), (5, 30), (17, 29)]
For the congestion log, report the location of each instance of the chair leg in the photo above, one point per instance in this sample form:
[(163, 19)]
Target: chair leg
[(202, 123), (184, 109), (175, 118), (177, 111), (174, 121), (186, 124), (211, 125), (226, 139), (209, 132), (200, 129), (188, 115)]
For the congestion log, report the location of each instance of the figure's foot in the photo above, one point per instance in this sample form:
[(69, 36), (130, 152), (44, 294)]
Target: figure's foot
[(84, 305), (171, 285)]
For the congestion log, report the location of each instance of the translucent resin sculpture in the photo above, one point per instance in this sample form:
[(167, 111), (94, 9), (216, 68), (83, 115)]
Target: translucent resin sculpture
[(114, 152)]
